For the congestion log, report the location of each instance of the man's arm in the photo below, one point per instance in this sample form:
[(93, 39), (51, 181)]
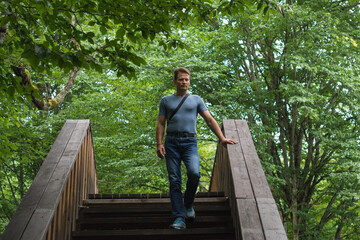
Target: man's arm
[(214, 126), (160, 129)]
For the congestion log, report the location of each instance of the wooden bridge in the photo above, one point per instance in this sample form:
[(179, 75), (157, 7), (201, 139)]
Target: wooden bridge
[(63, 200)]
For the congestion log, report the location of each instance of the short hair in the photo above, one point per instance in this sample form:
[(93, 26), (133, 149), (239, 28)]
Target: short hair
[(180, 70)]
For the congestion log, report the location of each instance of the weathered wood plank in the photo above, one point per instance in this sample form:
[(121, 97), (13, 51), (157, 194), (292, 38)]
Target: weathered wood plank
[(149, 219), (238, 168), (271, 220), (266, 206), (36, 230), (214, 181), (242, 201), (275, 235), (152, 232), (224, 179), (255, 170), (30, 201), (133, 209), (257, 177), (150, 201), (229, 124), (249, 219), (94, 180), (57, 181)]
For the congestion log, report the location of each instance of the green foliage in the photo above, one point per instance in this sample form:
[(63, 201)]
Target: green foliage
[(123, 114), (295, 79), (85, 34), (109, 41), (292, 75), (23, 146)]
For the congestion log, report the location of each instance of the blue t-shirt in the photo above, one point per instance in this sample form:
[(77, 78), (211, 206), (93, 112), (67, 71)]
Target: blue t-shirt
[(185, 118)]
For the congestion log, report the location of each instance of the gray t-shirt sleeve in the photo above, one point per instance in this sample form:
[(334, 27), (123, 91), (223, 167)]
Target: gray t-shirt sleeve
[(201, 105), (162, 108)]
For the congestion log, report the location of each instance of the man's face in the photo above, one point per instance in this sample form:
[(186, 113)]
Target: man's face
[(182, 82)]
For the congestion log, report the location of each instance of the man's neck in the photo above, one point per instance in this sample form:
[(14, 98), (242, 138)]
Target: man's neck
[(180, 93)]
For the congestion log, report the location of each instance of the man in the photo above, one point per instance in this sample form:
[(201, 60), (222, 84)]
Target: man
[(181, 144)]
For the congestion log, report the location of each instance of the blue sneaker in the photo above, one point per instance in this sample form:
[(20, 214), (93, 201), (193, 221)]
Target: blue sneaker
[(178, 224), (190, 213)]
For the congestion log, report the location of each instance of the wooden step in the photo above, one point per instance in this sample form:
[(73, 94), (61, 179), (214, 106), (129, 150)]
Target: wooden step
[(151, 222), (149, 195), (148, 217), (159, 201), (159, 234), (145, 207), (147, 210)]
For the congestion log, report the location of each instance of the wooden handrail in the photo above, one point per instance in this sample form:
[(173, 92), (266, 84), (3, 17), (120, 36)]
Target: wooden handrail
[(238, 172), (68, 174)]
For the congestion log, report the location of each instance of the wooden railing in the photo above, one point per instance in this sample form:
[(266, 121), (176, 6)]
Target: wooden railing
[(238, 172), (68, 174)]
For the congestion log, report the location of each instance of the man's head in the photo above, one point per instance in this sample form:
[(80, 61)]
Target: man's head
[(180, 70), (181, 79)]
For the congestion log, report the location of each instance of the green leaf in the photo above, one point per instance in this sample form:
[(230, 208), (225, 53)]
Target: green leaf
[(49, 7), (98, 68), (144, 34), (103, 30), (131, 37), (40, 51), (4, 20)]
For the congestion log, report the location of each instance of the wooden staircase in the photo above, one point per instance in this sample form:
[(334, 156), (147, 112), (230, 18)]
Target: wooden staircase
[(148, 216), (63, 202)]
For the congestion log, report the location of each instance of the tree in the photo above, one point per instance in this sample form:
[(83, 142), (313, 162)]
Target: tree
[(295, 79), (46, 45), (24, 144), (37, 37)]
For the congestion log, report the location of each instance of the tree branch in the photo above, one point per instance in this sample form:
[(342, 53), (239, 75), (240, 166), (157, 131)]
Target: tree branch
[(12, 189), (5, 207), (42, 104), (350, 6), (327, 215)]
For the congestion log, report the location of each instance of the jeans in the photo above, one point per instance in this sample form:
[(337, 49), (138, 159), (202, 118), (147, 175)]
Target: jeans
[(185, 149)]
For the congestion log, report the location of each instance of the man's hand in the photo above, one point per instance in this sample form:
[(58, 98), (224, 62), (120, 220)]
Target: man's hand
[(160, 150), (214, 126), (228, 141), (160, 128)]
